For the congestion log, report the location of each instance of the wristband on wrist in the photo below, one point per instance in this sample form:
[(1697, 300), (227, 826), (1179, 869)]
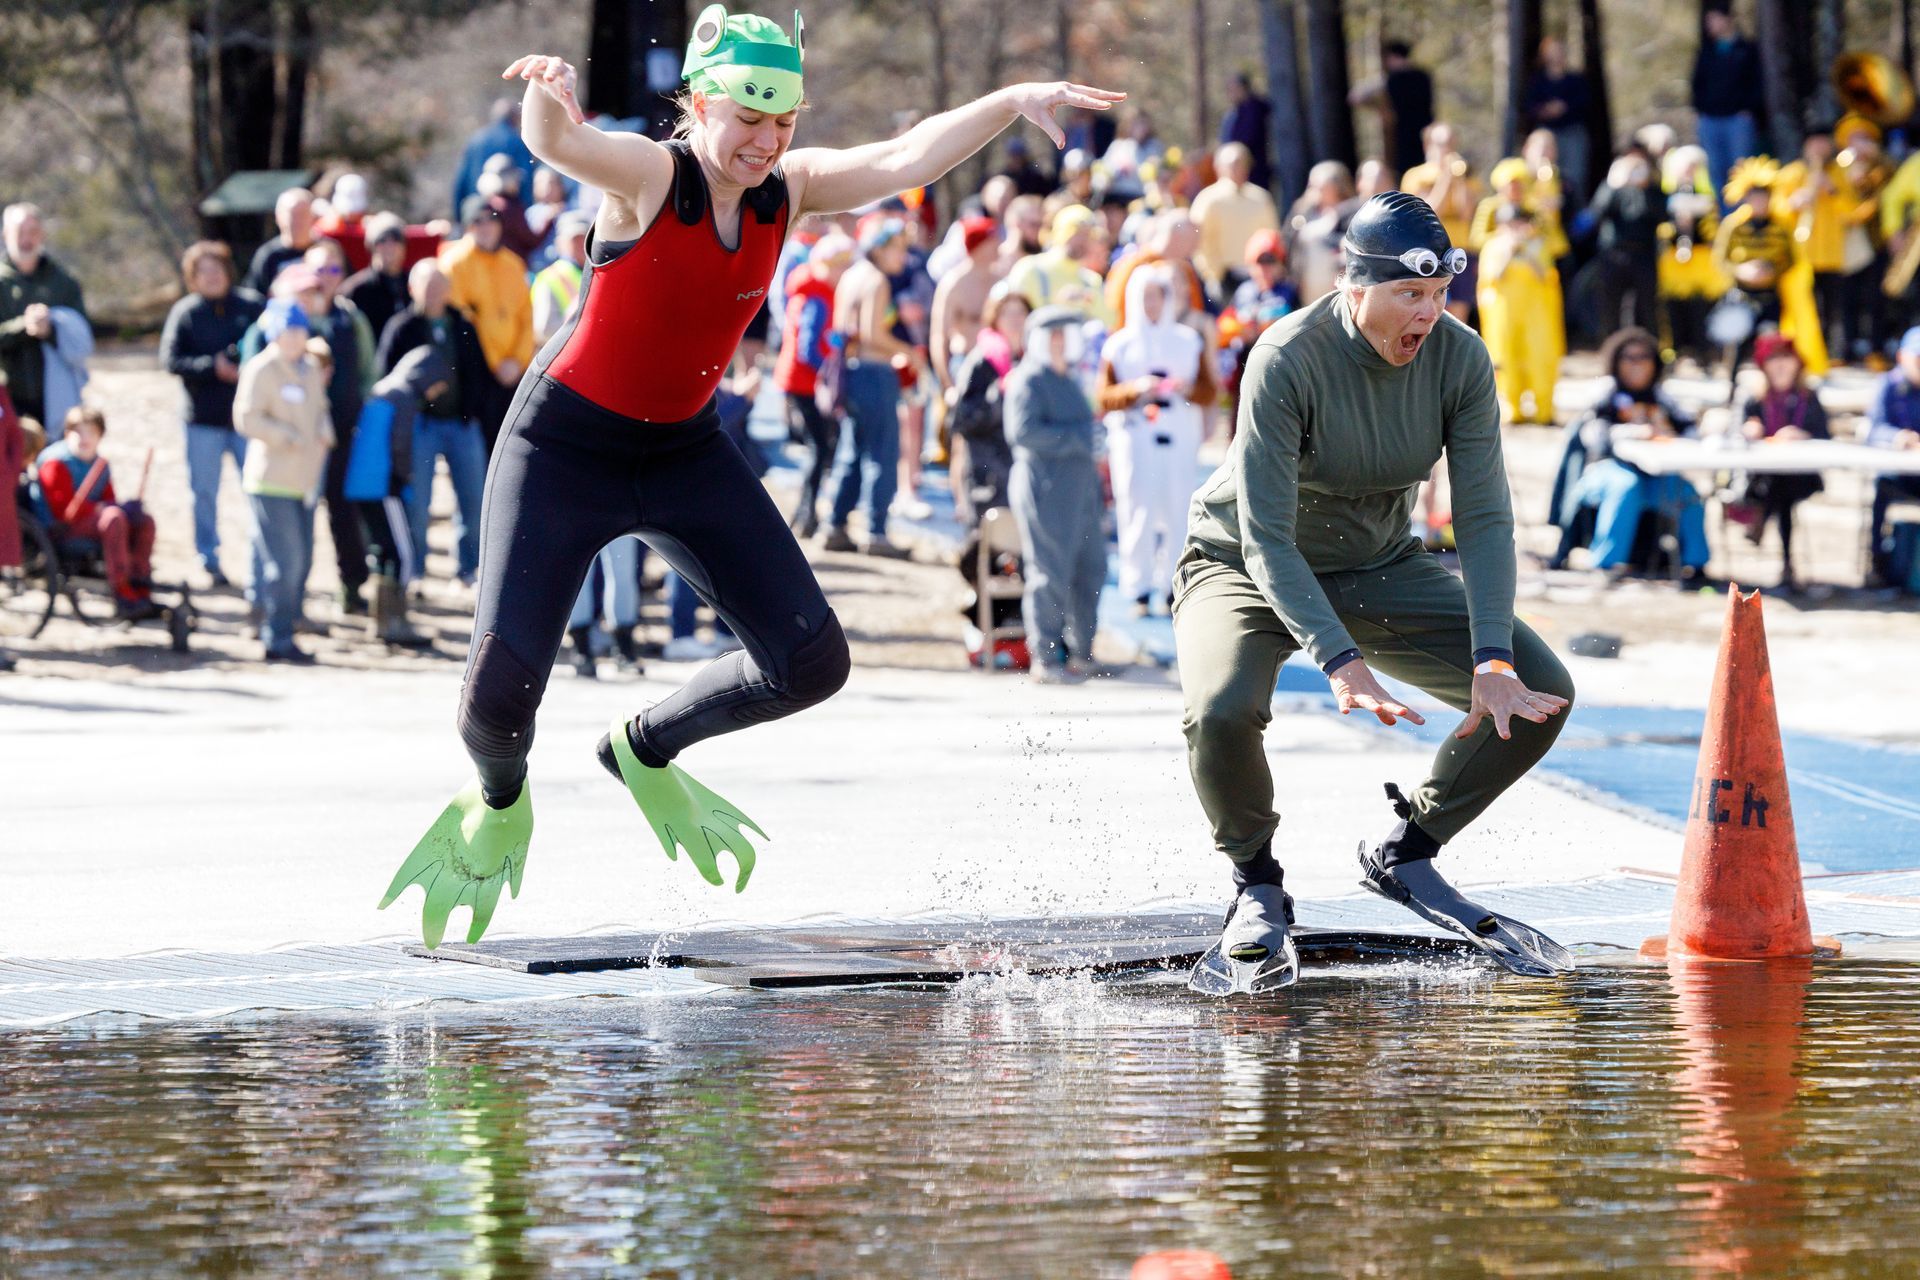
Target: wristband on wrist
[(1495, 667), (1338, 661)]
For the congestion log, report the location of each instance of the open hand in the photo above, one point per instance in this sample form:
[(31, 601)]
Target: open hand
[(1037, 102), (555, 75), (1503, 697), (1355, 689)]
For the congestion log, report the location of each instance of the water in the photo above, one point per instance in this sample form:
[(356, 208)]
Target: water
[(1723, 1120)]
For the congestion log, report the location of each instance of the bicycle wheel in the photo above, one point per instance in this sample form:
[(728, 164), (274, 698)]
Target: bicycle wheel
[(28, 590)]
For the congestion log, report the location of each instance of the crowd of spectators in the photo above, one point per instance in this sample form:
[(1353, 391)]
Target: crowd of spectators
[(1096, 310)]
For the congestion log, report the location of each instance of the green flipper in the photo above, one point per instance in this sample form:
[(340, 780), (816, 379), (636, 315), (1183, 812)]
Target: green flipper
[(468, 853), (685, 814)]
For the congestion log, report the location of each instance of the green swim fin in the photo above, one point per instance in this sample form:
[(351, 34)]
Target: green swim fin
[(468, 853), (685, 814)]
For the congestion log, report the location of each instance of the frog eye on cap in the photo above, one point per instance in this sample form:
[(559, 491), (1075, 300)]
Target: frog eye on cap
[(708, 28)]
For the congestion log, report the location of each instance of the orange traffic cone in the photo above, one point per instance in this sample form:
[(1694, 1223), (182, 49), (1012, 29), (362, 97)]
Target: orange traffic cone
[(1181, 1264), (1739, 896)]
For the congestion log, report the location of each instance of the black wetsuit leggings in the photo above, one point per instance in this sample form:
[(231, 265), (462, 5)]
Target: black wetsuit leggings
[(567, 477)]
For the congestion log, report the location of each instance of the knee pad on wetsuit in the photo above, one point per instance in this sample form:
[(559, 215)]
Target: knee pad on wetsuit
[(817, 670), (498, 702)]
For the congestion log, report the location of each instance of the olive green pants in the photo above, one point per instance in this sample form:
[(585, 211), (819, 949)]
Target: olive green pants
[(1410, 621)]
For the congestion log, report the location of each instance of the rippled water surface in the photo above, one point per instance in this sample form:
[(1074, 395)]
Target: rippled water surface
[(1723, 1120)]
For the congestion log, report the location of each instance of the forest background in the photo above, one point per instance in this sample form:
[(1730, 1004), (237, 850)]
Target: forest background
[(105, 119)]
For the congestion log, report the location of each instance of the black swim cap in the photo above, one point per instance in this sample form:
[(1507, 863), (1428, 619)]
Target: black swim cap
[(1392, 224)]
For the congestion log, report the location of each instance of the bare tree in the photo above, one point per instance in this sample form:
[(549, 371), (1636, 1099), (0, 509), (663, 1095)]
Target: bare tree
[(1331, 117), (1280, 40), (1902, 43), (1202, 111), (1593, 61), (1522, 32), (1777, 76), (47, 47)]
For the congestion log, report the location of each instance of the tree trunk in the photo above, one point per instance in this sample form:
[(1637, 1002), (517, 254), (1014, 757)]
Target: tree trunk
[(633, 61), (1777, 76), (1521, 45), (295, 73), (1202, 125), (1063, 37), (202, 26), (1593, 61), (1829, 42), (1331, 117), (1903, 35), (1280, 41), (995, 18), (248, 97), (939, 59)]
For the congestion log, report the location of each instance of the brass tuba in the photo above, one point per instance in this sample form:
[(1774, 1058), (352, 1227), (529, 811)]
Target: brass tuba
[(1873, 85)]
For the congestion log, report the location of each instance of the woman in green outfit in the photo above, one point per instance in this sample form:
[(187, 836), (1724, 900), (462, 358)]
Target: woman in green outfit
[(1303, 541)]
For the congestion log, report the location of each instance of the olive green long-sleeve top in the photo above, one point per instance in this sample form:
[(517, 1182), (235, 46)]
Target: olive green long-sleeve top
[(1327, 461)]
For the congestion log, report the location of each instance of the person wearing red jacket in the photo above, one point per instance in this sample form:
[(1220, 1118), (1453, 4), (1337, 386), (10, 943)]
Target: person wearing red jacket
[(125, 532), (805, 335)]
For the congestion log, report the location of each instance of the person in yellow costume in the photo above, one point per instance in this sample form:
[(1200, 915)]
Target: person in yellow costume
[(1757, 248), (1446, 182), (1899, 229), (1541, 151), (1836, 206), (1690, 281), (1520, 315), (1515, 182)]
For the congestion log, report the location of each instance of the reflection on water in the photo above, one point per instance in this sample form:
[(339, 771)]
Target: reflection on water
[(1753, 1120)]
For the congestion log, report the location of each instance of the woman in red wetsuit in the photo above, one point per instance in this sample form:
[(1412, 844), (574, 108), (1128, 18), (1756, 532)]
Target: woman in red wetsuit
[(613, 431)]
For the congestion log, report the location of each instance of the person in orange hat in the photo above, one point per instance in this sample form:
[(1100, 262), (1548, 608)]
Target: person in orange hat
[(1786, 410), (1264, 296)]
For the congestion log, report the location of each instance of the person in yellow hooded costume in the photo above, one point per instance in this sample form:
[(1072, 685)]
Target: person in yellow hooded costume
[(1515, 182), (1521, 317), (1836, 198), (1758, 249)]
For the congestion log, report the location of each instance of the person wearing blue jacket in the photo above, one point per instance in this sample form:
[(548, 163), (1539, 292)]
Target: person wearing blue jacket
[(378, 475), (1893, 422)]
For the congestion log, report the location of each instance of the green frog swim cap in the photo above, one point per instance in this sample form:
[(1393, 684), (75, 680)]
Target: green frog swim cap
[(745, 57)]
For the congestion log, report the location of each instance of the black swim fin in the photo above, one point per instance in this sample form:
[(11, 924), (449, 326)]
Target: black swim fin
[(1418, 886)]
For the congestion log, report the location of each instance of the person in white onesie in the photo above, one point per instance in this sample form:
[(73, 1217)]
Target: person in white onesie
[(1148, 372)]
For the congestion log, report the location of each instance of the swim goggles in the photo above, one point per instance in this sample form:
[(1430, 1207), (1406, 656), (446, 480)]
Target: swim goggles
[(1422, 262)]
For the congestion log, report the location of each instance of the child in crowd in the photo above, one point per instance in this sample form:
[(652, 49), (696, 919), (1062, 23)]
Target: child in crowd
[(377, 475), (280, 406), (1787, 410), (76, 485)]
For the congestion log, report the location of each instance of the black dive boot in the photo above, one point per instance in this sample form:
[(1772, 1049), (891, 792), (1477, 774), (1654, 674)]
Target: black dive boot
[(1418, 887)]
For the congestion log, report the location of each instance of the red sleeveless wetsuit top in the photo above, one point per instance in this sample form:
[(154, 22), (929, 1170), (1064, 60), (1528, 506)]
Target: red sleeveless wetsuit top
[(657, 326)]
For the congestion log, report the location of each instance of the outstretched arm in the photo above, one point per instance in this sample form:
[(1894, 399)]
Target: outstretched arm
[(823, 180), (556, 131)]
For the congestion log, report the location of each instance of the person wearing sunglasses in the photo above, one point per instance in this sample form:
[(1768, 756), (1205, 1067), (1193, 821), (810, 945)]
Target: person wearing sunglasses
[(1302, 542)]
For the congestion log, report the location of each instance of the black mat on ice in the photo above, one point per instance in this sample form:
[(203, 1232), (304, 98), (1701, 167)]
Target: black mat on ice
[(930, 953)]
